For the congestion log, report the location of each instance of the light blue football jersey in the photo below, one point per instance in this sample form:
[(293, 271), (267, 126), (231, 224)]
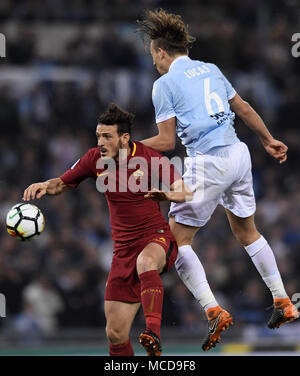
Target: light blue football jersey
[(197, 93)]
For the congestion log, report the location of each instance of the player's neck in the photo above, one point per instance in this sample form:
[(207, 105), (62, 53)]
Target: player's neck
[(124, 153), (175, 57)]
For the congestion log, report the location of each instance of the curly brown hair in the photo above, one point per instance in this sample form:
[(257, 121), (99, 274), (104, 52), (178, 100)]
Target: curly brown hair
[(167, 30), (115, 115)]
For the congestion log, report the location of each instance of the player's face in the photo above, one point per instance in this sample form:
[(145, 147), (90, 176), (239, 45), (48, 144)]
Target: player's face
[(109, 141), (159, 59)]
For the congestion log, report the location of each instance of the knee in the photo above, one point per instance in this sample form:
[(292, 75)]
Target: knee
[(116, 336), (183, 240), (246, 237), (145, 262), (182, 237)]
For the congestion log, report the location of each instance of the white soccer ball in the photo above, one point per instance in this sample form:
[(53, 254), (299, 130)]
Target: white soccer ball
[(25, 221)]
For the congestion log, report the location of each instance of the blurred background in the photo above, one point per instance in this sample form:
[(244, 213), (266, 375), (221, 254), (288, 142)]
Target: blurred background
[(65, 61)]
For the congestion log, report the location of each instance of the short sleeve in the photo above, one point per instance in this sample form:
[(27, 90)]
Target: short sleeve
[(229, 88), (162, 101), (80, 170)]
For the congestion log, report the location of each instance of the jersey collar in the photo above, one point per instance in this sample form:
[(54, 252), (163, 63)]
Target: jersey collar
[(133, 149), (183, 57), (130, 155)]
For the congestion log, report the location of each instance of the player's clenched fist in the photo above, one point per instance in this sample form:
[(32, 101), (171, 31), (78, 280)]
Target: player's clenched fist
[(36, 190)]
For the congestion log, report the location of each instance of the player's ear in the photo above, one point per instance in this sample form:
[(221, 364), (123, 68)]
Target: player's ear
[(125, 138), (161, 52)]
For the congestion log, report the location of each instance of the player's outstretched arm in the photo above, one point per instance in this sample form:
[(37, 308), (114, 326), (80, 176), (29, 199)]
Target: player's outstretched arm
[(275, 148), (179, 192), (50, 187), (165, 140)]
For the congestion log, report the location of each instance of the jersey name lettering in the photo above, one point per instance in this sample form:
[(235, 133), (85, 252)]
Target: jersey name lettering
[(197, 71)]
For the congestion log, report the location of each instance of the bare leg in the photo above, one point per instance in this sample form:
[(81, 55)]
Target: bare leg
[(119, 318)]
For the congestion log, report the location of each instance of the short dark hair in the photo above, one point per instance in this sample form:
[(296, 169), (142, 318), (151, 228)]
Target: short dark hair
[(115, 115), (167, 30)]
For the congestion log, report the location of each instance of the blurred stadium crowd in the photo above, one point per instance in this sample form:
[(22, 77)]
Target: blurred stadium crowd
[(65, 62)]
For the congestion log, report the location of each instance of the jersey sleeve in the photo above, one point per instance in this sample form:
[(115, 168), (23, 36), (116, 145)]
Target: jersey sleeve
[(162, 101), (80, 170), (229, 88)]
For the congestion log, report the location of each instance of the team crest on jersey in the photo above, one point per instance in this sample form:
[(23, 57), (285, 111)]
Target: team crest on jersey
[(138, 174)]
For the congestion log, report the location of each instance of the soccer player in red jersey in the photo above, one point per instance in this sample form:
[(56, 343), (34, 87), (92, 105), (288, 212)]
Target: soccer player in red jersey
[(144, 246)]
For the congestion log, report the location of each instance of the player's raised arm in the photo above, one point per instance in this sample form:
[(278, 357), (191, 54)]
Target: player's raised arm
[(165, 140), (50, 187), (250, 117)]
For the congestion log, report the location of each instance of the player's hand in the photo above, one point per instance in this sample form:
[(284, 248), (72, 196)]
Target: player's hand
[(277, 150), (36, 190), (157, 195), (182, 196)]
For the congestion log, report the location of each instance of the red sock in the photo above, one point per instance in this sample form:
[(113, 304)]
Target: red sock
[(152, 295), (125, 349)]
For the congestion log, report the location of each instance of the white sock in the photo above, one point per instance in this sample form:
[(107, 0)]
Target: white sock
[(264, 260), (192, 274)]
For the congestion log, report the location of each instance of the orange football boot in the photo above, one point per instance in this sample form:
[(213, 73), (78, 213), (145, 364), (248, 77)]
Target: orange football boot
[(151, 343), (284, 311), (218, 321)]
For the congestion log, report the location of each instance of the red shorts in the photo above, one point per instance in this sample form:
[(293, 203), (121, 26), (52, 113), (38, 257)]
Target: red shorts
[(123, 283)]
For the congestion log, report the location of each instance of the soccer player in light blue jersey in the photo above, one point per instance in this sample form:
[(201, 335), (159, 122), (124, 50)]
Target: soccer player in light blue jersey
[(195, 100)]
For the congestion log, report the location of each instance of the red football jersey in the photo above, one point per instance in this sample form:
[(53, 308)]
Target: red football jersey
[(126, 184)]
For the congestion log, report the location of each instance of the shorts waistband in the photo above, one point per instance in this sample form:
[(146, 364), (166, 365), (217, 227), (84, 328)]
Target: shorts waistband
[(219, 151)]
